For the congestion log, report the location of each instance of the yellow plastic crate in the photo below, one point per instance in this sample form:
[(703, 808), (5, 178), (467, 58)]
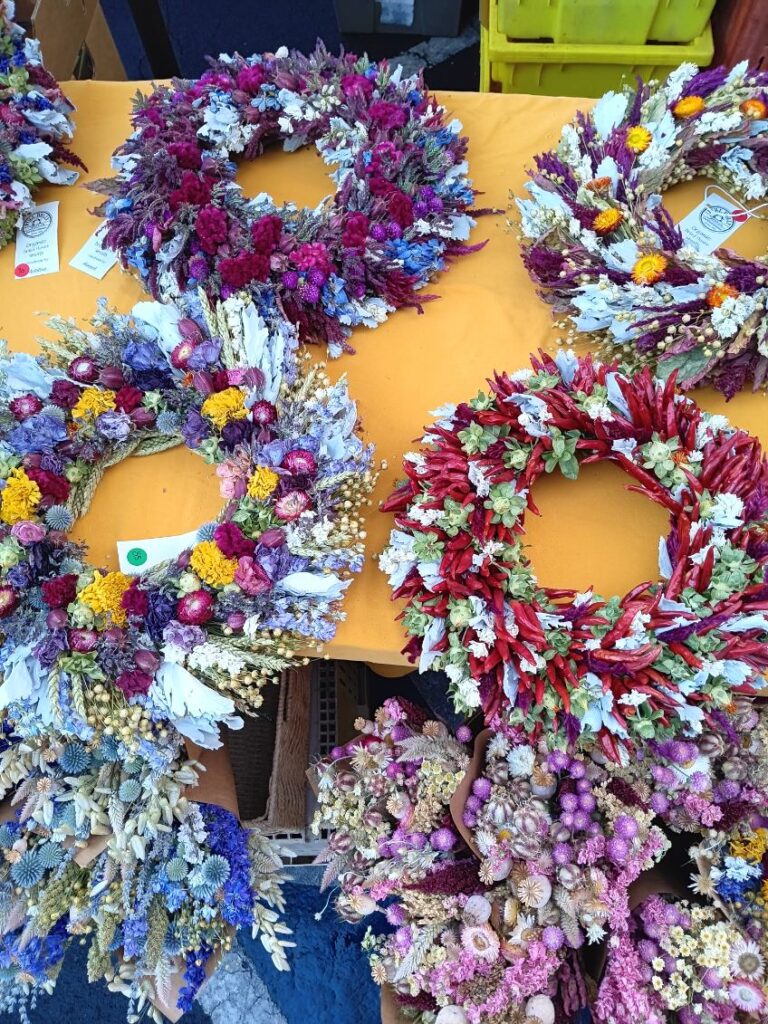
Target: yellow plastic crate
[(619, 22), (552, 69)]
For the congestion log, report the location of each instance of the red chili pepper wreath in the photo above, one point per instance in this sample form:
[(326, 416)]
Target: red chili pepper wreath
[(662, 660)]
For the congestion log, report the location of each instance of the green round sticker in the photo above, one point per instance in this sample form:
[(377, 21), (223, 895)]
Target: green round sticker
[(137, 556)]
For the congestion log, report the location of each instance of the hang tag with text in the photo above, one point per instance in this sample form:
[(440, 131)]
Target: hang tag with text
[(712, 222), (92, 259), (37, 242), (136, 556)]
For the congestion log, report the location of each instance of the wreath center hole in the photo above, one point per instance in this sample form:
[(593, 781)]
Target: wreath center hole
[(593, 532), (300, 177), (159, 495)]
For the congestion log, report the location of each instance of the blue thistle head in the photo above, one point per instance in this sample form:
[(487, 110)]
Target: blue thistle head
[(215, 870), (176, 869), (129, 791), (168, 423), (7, 835), (107, 750), (28, 870), (58, 517), (50, 854), (206, 531), (75, 759)]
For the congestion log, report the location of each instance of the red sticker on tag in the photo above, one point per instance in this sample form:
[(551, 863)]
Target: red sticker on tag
[(740, 215), (22, 270)]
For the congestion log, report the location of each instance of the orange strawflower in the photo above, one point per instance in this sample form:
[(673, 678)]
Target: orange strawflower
[(607, 221), (718, 293), (649, 268), (599, 184), (754, 109), (688, 106), (638, 138)]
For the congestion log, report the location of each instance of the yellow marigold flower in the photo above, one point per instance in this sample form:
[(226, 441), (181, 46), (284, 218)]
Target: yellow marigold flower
[(751, 849), (20, 497), (607, 221), (212, 565), (688, 106), (638, 138), (224, 406), (718, 293), (754, 109), (104, 595), (262, 483), (92, 403), (649, 268)]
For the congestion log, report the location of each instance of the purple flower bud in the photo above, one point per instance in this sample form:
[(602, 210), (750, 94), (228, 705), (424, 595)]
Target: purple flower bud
[(569, 801), (553, 937), (567, 819), (379, 233), (482, 787), (147, 661), (587, 802), (562, 854), (400, 732), (464, 734), (395, 914), (626, 826), (617, 850), (337, 752), (290, 279), (659, 803), (82, 640), (394, 769), (557, 761), (584, 786), (411, 769), (473, 804), (576, 769), (469, 819), (57, 618), (417, 840), (580, 820), (442, 840), (236, 620)]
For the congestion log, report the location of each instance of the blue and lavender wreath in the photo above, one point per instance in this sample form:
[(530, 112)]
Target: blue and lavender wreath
[(181, 647), (122, 857), (35, 124), (597, 238), (177, 215)]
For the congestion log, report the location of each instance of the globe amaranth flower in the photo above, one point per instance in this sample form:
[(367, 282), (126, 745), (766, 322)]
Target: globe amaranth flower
[(196, 608), (134, 682)]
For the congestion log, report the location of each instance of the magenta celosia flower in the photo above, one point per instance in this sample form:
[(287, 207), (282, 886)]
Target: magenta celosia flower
[(59, 592), (134, 682), (64, 393), (211, 227), (196, 608), (232, 541), (251, 79), (356, 85)]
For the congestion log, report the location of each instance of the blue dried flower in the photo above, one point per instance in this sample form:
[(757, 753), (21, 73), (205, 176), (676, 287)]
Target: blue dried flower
[(28, 870), (58, 517), (129, 791), (50, 854), (206, 531), (75, 759), (168, 423), (107, 750), (215, 870), (7, 836), (176, 869)]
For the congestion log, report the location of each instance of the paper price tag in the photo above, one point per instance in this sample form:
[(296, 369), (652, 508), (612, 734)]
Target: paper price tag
[(92, 259), (136, 556), (37, 242), (712, 222)]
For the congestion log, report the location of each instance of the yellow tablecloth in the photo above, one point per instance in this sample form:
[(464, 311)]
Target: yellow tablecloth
[(488, 317)]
